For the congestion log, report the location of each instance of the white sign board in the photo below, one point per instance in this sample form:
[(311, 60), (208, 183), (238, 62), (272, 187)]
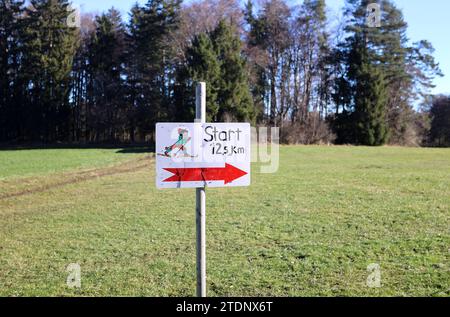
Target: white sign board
[(195, 155)]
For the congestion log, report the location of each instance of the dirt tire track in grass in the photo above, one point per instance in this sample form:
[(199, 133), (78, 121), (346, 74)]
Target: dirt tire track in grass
[(82, 176)]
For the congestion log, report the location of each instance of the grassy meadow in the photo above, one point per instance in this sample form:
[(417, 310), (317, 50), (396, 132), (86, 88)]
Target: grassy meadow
[(311, 229)]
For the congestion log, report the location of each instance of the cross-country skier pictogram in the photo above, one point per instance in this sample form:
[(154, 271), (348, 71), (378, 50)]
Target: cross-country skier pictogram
[(179, 146)]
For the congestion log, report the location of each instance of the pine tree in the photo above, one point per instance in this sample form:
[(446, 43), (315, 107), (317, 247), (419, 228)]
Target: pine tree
[(11, 26), (235, 102), (148, 71), (440, 121), (203, 65), (216, 58), (370, 103), (49, 50), (82, 82), (406, 68), (106, 66)]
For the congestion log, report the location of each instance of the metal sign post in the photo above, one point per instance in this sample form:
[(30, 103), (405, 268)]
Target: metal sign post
[(200, 218), (199, 155)]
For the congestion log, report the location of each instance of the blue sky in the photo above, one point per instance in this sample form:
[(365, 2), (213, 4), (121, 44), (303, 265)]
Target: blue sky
[(428, 20)]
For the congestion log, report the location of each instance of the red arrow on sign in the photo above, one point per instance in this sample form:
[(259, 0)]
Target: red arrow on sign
[(227, 174)]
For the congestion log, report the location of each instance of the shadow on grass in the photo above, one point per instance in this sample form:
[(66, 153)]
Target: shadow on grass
[(121, 148), (137, 150)]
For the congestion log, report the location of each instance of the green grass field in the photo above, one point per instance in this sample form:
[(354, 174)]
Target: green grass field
[(311, 229)]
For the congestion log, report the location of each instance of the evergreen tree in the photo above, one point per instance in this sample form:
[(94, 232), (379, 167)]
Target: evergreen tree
[(440, 121), (235, 102), (106, 65), (11, 26), (49, 49), (406, 69), (370, 103), (149, 54), (216, 58), (82, 96), (203, 65)]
